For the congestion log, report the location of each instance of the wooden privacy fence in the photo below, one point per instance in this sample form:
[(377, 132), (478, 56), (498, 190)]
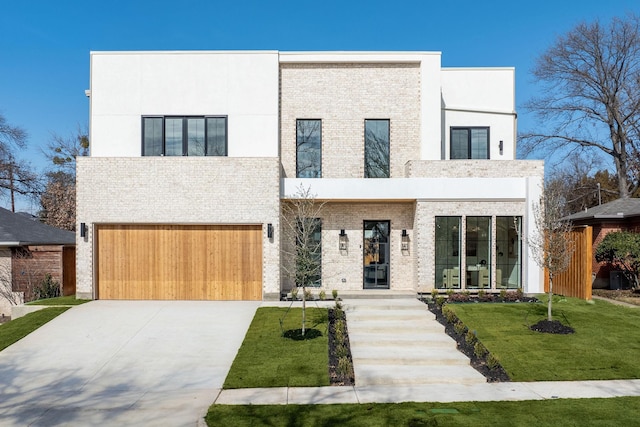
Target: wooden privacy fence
[(576, 280)]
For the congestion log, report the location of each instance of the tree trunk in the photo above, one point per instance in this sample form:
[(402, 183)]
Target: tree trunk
[(304, 306), (549, 316), (621, 170)]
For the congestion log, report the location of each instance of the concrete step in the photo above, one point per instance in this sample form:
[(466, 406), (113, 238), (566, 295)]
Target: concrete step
[(389, 315), (408, 356), (395, 326), (416, 375), (418, 339)]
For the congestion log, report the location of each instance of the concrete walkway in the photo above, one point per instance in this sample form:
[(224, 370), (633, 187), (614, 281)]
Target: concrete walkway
[(399, 342), (431, 393)]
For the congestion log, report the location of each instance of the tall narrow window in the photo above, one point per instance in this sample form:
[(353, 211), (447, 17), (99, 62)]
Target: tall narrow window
[(470, 143), (447, 262), (508, 252), (478, 247), (173, 137), (216, 136), (184, 136), (308, 148), (376, 149), (309, 252), (152, 139)]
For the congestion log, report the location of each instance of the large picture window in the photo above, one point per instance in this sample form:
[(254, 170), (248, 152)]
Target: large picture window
[(376, 149), (184, 136), (447, 262), (308, 148), (470, 143), (309, 252)]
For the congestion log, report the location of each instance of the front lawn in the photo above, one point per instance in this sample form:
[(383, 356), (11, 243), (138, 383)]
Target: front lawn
[(267, 359), (605, 345), (17, 329), (623, 411), (68, 300)]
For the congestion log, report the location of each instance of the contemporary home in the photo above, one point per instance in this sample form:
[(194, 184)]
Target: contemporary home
[(194, 155), (29, 250)]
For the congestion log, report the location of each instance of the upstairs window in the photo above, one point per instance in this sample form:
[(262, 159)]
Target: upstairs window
[(470, 143), (376, 149), (308, 148), (184, 136)]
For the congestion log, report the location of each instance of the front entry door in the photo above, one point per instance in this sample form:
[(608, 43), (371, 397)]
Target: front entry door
[(376, 255)]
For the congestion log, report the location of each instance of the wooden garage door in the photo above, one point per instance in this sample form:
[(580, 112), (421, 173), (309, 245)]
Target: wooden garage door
[(179, 262)]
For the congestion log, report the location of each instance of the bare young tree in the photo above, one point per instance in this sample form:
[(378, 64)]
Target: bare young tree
[(590, 86), (551, 246), (302, 241)]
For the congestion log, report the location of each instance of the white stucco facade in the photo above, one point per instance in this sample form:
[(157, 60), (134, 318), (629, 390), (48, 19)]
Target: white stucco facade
[(263, 95)]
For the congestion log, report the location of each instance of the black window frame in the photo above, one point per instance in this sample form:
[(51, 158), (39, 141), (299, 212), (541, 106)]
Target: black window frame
[(469, 142), (299, 143), (368, 168), (185, 130)]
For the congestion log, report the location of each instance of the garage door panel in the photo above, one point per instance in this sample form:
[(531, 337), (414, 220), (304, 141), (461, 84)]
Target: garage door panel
[(179, 262)]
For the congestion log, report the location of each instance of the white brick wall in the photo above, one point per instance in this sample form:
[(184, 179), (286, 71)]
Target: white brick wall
[(348, 265), (183, 190), (343, 96), (474, 168)]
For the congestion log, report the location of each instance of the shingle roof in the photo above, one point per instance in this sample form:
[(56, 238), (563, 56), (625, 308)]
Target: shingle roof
[(618, 209), (19, 230)]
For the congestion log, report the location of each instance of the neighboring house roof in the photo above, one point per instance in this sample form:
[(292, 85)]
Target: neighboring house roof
[(617, 210), (20, 230)]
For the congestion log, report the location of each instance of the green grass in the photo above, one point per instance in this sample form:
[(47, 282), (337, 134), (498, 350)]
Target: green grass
[(267, 359), (68, 300), (17, 329), (623, 411), (605, 346)]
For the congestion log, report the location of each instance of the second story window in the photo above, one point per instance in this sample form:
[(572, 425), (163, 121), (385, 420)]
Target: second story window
[(184, 136), (470, 143), (308, 148), (376, 149)]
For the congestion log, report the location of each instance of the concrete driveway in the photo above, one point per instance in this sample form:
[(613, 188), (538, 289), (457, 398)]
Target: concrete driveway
[(138, 363)]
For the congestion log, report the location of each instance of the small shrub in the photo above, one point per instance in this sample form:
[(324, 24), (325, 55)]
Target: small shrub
[(440, 301), (48, 288), (470, 337), (450, 292), (341, 350), (460, 328), (307, 295), (503, 294), (339, 325), (449, 314), (467, 293), (492, 362), (322, 295), (344, 367), (434, 294), (334, 294), (460, 297), (294, 294), (481, 294), (479, 350), (338, 335)]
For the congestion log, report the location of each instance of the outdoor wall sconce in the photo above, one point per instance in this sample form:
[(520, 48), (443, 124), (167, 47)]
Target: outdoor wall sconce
[(405, 241), (501, 147), (343, 240), (270, 231), (83, 229)]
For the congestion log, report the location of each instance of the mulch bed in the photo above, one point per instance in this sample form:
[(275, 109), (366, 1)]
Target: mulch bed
[(630, 296), (335, 377), (552, 327)]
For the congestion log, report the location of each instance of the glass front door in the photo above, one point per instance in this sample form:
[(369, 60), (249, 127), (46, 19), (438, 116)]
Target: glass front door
[(376, 254)]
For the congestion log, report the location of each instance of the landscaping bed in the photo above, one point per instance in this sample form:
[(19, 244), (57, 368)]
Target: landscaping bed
[(340, 360)]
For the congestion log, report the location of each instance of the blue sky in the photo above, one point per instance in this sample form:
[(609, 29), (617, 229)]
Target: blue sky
[(45, 45)]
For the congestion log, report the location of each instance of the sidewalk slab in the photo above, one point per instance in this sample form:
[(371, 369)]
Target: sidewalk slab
[(322, 395)]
